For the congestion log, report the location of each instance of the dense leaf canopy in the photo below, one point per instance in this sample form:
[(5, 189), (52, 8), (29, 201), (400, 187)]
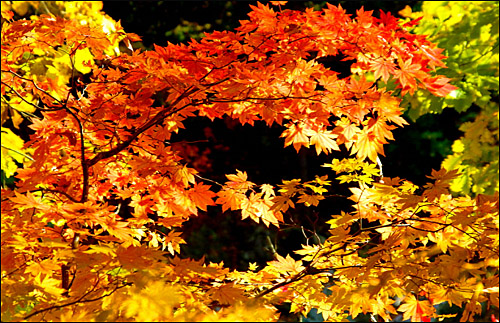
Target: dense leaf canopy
[(92, 226)]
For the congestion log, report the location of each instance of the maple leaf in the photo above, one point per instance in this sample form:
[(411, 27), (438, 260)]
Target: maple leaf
[(360, 85), (409, 200), (381, 130), (289, 187), (382, 68), (367, 145), (185, 175), (347, 131), (239, 181), (130, 255), (324, 141), (267, 190), (361, 303), (227, 294), (388, 108), (196, 270), (440, 86), (440, 240), (443, 175), (45, 267), (309, 200), (264, 15), (257, 208), (323, 180), (286, 264), (104, 249), (49, 285), (441, 185), (173, 241), (120, 230), (407, 75), (230, 199), (295, 135), (282, 203), (171, 221), (30, 201), (416, 310), (201, 196)]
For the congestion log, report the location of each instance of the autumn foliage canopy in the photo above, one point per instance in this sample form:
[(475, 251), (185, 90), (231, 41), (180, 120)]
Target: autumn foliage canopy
[(102, 121)]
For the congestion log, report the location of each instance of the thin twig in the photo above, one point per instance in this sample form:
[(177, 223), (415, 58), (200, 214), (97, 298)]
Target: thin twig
[(20, 153), (79, 300)]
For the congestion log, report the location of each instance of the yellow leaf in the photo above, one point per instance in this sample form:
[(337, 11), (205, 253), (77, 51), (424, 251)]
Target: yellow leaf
[(267, 190), (286, 265), (415, 310), (253, 266), (12, 150), (322, 180), (101, 249), (367, 146), (49, 285), (440, 240), (239, 181), (362, 303), (46, 267), (185, 175), (82, 59), (324, 141)]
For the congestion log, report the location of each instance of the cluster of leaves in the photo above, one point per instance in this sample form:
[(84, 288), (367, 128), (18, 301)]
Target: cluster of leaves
[(425, 248), (468, 34), (55, 65), (102, 143)]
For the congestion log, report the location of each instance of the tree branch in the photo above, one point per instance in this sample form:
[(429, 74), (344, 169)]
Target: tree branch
[(79, 300), (155, 120)]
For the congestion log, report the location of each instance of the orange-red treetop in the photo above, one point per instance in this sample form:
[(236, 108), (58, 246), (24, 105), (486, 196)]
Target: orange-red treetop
[(268, 70), (108, 136)]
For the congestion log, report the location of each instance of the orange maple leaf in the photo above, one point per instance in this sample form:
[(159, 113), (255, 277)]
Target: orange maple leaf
[(227, 294), (295, 135), (382, 68), (407, 75), (239, 181), (29, 201), (278, 3), (201, 196), (309, 200), (230, 198)]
